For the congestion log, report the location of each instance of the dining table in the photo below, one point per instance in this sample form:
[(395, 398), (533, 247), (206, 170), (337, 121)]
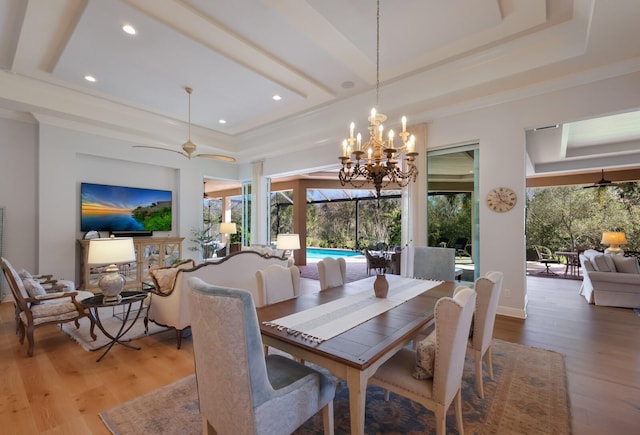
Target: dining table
[(350, 332), (571, 261)]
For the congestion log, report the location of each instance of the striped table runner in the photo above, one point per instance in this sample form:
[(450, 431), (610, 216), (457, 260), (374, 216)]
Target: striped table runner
[(333, 318)]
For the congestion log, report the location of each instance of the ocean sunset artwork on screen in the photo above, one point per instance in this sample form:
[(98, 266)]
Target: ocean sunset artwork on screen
[(119, 208)]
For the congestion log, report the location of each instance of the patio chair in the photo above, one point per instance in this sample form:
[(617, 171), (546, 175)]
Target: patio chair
[(461, 247), (545, 257), (378, 263)]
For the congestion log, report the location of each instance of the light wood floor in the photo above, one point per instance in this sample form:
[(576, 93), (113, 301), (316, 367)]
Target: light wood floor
[(62, 389)]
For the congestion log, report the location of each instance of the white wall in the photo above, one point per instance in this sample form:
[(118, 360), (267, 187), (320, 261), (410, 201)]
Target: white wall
[(18, 177)]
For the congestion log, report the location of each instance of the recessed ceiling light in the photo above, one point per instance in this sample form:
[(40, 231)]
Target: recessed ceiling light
[(222, 121), (128, 28), (277, 97), (347, 85), (89, 78)]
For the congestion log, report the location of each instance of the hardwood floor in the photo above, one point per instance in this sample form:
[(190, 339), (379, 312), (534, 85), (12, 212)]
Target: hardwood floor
[(62, 389)]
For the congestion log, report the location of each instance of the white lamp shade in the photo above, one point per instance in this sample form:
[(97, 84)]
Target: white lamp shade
[(288, 241), (613, 238), (228, 228), (116, 250)]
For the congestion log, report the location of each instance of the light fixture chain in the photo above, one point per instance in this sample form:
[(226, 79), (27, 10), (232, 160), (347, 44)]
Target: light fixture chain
[(377, 53)]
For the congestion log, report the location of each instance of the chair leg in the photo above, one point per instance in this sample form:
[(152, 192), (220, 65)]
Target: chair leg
[(178, 338), (30, 339), (489, 363), (458, 406), (441, 419), (327, 418), (477, 355)]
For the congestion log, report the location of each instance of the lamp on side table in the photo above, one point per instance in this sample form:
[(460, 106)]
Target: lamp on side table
[(111, 252)]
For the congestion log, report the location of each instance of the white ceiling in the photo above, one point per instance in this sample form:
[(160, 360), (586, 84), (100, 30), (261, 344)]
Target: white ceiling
[(315, 54)]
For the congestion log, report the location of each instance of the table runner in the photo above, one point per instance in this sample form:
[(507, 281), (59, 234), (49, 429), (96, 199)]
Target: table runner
[(333, 318)]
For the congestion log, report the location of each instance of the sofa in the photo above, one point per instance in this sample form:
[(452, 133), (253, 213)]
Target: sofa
[(610, 280), (169, 300)]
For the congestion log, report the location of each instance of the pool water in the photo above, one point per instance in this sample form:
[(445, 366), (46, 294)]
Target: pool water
[(333, 253)]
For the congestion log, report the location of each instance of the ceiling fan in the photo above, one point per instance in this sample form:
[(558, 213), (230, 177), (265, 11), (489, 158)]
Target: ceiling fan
[(189, 148), (600, 183)]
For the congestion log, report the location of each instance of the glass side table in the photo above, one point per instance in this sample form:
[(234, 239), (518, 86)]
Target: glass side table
[(128, 300)]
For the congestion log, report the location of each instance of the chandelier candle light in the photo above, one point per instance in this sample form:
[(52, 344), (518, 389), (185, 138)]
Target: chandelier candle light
[(375, 160)]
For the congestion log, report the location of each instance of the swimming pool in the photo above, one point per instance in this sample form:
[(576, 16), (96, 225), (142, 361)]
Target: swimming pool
[(329, 252)]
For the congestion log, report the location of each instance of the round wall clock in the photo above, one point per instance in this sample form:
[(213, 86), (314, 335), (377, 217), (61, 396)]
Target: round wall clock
[(501, 199)]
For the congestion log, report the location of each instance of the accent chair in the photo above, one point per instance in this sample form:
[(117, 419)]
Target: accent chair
[(41, 308), (431, 262)]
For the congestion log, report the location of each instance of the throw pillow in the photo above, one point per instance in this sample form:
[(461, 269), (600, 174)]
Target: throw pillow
[(33, 287), (25, 274), (604, 263), (425, 357), (164, 278), (626, 264)]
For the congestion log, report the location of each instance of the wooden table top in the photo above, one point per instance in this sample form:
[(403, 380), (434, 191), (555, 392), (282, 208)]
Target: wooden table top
[(362, 345)]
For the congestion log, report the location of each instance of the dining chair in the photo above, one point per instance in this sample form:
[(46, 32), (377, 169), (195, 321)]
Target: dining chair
[(42, 308), (277, 283), (332, 272), (488, 290), (430, 262), (247, 393), (450, 337)]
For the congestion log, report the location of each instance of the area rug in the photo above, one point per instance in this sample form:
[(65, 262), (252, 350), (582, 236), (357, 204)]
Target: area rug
[(529, 396), (111, 320), (637, 311)]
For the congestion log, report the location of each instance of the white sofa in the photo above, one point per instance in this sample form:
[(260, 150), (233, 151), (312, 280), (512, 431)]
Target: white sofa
[(610, 280), (169, 303)]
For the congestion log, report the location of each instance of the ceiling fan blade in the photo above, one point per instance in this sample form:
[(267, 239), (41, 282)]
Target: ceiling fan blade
[(160, 148), (217, 157)]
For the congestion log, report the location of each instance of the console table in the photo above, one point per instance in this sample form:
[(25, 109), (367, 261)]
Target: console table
[(151, 252)]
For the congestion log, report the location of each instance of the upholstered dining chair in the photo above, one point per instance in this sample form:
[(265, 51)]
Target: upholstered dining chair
[(332, 272), (488, 290), (430, 262), (41, 308), (452, 324), (248, 393), (277, 283)]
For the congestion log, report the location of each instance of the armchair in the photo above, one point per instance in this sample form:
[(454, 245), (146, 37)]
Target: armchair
[(43, 308), (248, 393)]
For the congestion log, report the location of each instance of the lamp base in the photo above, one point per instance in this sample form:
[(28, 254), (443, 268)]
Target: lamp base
[(614, 250), (111, 285)]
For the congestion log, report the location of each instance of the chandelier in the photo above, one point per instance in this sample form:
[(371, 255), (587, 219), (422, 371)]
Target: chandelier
[(375, 160)]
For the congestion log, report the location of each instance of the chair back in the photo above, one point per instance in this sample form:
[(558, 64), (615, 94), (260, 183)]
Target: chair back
[(332, 272), (277, 283), (453, 321), (16, 285), (488, 290), (226, 337), (430, 262)]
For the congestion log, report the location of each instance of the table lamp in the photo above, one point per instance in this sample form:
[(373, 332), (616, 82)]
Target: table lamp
[(228, 228), (288, 242), (111, 252), (614, 240)]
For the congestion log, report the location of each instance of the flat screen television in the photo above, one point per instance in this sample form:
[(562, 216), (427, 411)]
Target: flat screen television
[(119, 208)]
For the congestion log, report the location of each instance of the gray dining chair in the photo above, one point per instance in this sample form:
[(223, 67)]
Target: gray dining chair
[(240, 390)]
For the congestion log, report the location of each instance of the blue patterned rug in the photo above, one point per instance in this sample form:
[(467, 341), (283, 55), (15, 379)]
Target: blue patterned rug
[(528, 396), (637, 311)]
